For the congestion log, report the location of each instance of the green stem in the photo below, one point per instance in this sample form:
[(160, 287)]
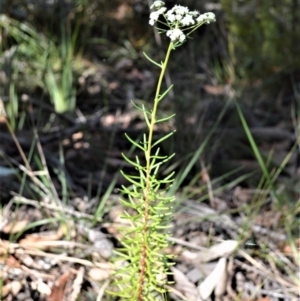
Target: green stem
[(153, 115), (148, 176)]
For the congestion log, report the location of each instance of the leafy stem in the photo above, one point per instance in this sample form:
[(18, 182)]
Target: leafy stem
[(148, 173), (144, 263)]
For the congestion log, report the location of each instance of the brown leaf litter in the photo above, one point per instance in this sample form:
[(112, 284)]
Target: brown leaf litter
[(56, 268)]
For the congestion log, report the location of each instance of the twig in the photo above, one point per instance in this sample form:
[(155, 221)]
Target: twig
[(262, 268), (20, 199)]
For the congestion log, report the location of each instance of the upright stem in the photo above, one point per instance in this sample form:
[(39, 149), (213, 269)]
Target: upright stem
[(156, 101), (148, 175)]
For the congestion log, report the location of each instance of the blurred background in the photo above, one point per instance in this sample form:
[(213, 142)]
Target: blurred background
[(65, 63)]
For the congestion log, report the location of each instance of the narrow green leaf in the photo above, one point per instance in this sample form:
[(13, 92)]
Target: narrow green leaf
[(254, 146), (165, 93), (134, 143), (171, 174), (146, 117), (141, 109), (162, 162), (127, 204), (156, 157), (130, 180), (137, 165), (158, 65), (165, 119), (163, 138)]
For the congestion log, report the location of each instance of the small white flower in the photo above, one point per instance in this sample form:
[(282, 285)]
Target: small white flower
[(180, 10), (169, 12), (201, 18), (178, 17), (176, 35), (157, 5), (207, 18), (210, 17), (187, 20), (194, 13), (171, 18), (155, 15), (162, 10)]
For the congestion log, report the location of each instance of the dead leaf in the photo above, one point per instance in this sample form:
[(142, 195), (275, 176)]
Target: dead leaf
[(223, 249), (43, 288), (184, 285), (32, 240), (76, 288), (12, 262), (15, 287), (222, 283), (288, 249), (15, 227), (211, 281), (268, 219), (98, 274), (12, 287), (27, 260), (5, 290), (242, 195), (58, 289), (214, 90)]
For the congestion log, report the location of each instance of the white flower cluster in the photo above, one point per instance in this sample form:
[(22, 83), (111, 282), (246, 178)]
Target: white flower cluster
[(176, 35), (181, 15), (178, 17), (207, 18), (155, 15)]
